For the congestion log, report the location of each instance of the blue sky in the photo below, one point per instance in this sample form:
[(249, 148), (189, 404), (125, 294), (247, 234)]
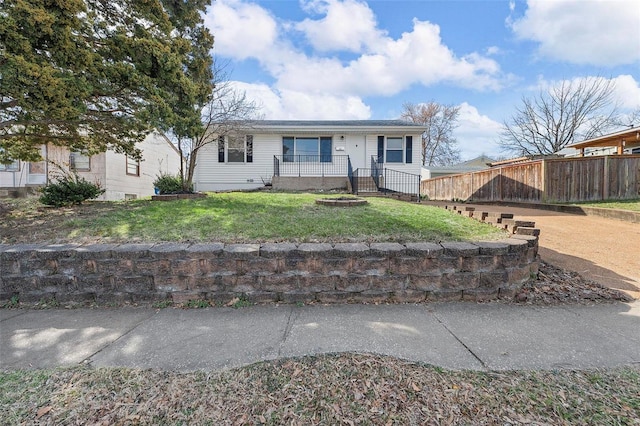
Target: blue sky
[(356, 59)]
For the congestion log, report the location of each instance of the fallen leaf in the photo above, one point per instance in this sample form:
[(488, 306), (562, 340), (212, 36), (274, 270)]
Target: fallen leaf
[(43, 411)]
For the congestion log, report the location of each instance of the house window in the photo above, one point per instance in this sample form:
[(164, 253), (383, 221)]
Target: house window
[(395, 149), (307, 149), (235, 149), (133, 166), (79, 162), (11, 167)]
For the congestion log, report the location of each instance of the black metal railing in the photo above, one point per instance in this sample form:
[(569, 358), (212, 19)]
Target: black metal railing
[(311, 165), (362, 181), (350, 172), (377, 178), (394, 181), (377, 169)]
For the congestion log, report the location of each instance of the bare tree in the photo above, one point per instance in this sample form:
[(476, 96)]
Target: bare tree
[(228, 111), (439, 147), (631, 119), (568, 112)]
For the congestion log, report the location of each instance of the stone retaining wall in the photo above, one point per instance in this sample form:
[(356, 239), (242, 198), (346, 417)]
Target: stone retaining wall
[(284, 272)]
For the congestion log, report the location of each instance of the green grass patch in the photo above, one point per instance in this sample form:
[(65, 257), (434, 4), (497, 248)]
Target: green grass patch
[(633, 205), (326, 389), (250, 217)]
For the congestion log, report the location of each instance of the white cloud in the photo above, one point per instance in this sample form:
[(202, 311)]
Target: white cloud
[(297, 105), (477, 134), (627, 91), (493, 50), (596, 32), (241, 30), (347, 25), (416, 57), (388, 66)]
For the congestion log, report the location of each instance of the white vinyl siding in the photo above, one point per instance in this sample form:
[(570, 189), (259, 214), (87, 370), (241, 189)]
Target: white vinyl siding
[(212, 175), (158, 157)]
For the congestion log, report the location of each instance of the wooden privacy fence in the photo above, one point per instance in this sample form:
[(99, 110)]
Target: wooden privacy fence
[(544, 181)]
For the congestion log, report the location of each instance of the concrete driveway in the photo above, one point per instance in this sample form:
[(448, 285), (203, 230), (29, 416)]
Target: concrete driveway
[(601, 249)]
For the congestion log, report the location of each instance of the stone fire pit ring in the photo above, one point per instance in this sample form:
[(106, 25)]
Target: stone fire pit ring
[(341, 202)]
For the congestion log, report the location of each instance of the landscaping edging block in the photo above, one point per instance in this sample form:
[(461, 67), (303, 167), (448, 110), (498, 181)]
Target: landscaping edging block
[(272, 272)]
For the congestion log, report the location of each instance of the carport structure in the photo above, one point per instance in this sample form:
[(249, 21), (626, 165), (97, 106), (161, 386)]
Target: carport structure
[(622, 140)]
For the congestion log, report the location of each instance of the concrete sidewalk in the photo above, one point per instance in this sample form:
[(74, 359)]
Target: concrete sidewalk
[(490, 336)]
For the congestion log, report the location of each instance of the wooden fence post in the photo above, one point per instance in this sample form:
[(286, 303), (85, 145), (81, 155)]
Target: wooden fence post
[(605, 178), (545, 181)]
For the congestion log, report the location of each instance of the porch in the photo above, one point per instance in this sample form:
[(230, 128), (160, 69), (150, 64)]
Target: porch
[(327, 172)]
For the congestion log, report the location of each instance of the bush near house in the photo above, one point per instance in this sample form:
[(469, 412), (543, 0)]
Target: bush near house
[(69, 189), (170, 184)]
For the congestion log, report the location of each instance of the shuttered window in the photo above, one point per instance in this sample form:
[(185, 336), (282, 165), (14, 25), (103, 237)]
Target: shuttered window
[(380, 149)]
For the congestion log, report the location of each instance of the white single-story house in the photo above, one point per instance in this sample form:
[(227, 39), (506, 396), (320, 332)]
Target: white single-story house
[(313, 155), (121, 176)]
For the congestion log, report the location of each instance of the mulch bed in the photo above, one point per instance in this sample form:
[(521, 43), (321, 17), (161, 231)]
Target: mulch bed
[(555, 286)]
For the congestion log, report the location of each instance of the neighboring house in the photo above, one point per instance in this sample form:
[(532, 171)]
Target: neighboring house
[(618, 143), (476, 164), (314, 155), (121, 176)]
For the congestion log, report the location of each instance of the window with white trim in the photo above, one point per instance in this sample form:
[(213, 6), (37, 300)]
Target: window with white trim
[(309, 149), (235, 149), (395, 149), (11, 167), (133, 166), (79, 162)]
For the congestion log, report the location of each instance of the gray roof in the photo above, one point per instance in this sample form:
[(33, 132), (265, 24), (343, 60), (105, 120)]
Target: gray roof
[(337, 123), (473, 165)]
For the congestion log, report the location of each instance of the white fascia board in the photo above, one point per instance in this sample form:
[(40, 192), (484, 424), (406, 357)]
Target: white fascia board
[(352, 130)]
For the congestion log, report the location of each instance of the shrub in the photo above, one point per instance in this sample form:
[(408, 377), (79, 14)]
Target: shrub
[(69, 189), (169, 184)]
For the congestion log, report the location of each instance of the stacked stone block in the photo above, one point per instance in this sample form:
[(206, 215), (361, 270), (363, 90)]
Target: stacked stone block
[(277, 272)]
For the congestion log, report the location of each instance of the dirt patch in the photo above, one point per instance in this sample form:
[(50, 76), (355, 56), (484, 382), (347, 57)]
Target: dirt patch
[(28, 222)]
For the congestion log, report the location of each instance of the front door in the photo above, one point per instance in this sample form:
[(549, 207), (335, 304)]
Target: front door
[(357, 150)]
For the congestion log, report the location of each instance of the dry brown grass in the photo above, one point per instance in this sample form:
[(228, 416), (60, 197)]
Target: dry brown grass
[(330, 389)]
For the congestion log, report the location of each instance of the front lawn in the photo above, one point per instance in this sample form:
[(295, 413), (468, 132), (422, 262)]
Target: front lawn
[(238, 217), (327, 389)]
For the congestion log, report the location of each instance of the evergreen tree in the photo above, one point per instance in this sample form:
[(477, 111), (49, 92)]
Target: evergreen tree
[(93, 75)]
